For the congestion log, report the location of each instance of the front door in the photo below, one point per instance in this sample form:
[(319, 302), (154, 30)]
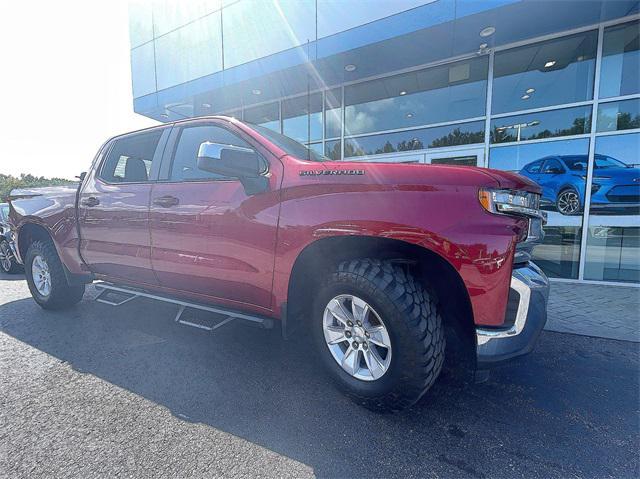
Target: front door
[(210, 239), (113, 209), (473, 156)]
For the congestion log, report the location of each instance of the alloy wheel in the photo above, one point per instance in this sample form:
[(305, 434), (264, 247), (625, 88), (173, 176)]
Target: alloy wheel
[(568, 202), (5, 257), (41, 275), (357, 337)]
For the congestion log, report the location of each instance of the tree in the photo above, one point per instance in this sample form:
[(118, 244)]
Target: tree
[(9, 182)]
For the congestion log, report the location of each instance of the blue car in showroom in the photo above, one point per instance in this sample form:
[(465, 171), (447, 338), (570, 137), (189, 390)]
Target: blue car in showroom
[(615, 188)]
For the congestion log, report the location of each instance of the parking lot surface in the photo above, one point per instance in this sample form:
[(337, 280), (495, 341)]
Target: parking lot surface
[(125, 391)]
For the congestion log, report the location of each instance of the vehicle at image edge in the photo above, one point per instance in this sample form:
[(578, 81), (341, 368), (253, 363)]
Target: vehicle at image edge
[(8, 262), (390, 269), (615, 187)]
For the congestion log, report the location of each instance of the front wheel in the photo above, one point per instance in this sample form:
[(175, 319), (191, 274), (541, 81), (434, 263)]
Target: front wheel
[(379, 334), (46, 279), (568, 202)]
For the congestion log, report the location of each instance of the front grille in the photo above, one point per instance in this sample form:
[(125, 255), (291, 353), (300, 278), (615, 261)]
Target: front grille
[(624, 194)]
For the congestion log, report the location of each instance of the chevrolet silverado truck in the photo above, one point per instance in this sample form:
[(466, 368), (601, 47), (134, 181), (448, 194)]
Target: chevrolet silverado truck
[(389, 269)]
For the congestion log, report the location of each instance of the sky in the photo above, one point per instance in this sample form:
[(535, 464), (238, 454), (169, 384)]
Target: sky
[(65, 83)]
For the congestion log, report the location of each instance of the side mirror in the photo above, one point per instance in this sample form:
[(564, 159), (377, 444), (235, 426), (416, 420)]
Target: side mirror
[(235, 162)]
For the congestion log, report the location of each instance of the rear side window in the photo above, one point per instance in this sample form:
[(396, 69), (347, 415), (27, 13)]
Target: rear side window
[(130, 158), (185, 160), (534, 167)]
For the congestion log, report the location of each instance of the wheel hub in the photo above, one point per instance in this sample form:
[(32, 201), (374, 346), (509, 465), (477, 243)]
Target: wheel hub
[(356, 337), (41, 275)]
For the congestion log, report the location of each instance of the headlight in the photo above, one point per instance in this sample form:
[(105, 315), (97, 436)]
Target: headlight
[(508, 202)]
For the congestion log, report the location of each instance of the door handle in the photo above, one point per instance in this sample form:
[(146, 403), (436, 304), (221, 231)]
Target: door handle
[(166, 201), (90, 201)]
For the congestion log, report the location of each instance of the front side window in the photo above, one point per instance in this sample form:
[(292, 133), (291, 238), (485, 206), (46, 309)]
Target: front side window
[(130, 158), (185, 158)]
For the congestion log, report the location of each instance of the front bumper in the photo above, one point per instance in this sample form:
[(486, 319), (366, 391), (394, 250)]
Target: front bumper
[(530, 288)]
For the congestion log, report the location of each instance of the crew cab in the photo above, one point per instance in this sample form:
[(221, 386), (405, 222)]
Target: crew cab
[(391, 268)]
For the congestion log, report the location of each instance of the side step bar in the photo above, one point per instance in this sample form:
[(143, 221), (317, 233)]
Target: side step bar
[(124, 295)]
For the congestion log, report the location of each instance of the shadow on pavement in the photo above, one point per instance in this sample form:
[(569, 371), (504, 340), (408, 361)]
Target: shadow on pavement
[(558, 412)]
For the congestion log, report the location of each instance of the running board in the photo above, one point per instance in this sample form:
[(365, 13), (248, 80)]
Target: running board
[(118, 295)]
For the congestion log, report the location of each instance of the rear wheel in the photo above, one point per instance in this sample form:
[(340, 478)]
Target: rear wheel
[(46, 279), (379, 334), (8, 263)]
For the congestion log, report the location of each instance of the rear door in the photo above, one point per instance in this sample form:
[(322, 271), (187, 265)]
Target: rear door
[(211, 239), (113, 207)]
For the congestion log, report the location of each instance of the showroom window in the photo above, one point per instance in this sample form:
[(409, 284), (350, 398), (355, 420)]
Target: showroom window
[(450, 135), (267, 115), (613, 239), (546, 73), (436, 95), (544, 124), (333, 113), (619, 115), (332, 149), (298, 123), (620, 61), (560, 169)]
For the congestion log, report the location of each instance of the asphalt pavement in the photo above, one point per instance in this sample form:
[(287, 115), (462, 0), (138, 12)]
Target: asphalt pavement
[(125, 391)]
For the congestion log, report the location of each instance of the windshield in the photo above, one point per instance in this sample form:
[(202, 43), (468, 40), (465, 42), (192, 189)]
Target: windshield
[(290, 146), (603, 162)]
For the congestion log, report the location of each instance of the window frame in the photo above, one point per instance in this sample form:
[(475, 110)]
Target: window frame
[(172, 146), (156, 159)]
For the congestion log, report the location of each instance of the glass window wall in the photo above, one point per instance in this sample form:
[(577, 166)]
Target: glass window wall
[(450, 135), (544, 124), (546, 73), (267, 115), (436, 95), (619, 115), (560, 169), (302, 118), (333, 113), (620, 61), (613, 239)]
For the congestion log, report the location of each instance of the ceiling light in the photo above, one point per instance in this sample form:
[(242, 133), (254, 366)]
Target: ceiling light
[(580, 58), (487, 31), (164, 115), (550, 63), (256, 91), (206, 105), (402, 93), (409, 115), (530, 90), (350, 67), (483, 46), (525, 97)]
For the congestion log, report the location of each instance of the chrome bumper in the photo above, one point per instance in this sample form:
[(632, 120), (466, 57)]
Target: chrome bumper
[(497, 345)]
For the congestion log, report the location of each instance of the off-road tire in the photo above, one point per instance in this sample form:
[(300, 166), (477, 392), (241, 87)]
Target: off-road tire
[(410, 314), (15, 267), (62, 295)]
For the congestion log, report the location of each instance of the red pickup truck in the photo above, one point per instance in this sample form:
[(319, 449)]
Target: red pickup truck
[(389, 268)]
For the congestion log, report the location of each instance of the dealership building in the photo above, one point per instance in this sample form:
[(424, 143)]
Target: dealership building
[(550, 89)]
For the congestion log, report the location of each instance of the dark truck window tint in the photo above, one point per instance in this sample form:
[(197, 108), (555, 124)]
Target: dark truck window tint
[(185, 160), (130, 158)]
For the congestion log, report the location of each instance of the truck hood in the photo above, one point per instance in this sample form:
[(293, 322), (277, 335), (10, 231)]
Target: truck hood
[(46, 190), (413, 173)]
